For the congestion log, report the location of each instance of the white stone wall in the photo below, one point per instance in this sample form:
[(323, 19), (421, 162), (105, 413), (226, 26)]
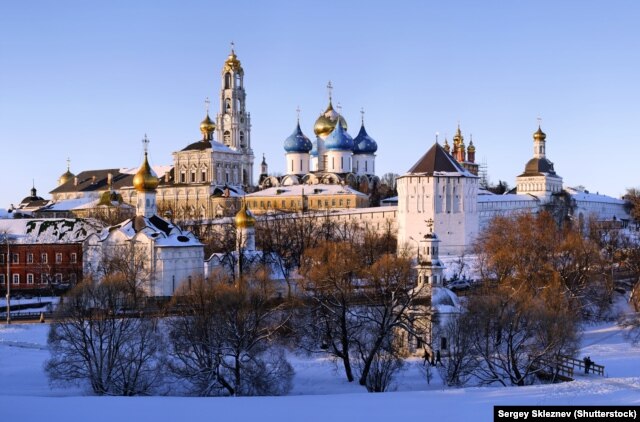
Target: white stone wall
[(297, 163), (364, 164), (339, 161), (450, 201)]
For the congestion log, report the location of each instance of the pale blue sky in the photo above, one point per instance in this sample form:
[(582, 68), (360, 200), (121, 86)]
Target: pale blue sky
[(88, 79)]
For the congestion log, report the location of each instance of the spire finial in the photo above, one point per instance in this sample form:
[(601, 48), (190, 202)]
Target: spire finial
[(339, 108), (233, 45), (206, 104), (145, 144), (429, 224), (437, 133), (539, 121), (362, 114), (68, 164), (329, 90), (298, 113)]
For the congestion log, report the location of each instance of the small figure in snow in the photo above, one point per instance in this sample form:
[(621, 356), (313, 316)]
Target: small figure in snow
[(438, 361)]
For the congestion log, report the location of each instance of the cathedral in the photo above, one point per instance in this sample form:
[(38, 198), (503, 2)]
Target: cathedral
[(333, 171), (207, 177)]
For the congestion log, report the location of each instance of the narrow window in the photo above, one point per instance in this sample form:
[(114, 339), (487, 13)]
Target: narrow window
[(16, 279), (58, 258), (74, 258), (29, 278)]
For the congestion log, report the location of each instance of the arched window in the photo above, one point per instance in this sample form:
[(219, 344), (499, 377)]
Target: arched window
[(242, 139), (227, 80), (227, 137)]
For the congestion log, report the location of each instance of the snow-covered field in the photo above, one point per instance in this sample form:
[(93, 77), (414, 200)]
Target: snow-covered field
[(320, 393)]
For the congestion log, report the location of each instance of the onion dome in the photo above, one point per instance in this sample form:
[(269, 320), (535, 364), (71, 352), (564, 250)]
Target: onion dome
[(339, 140), (471, 147), (539, 135), (297, 142), (327, 121), (458, 138), (244, 218), (145, 179), (66, 176), (207, 127), (363, 143), (446, 146), (232, 63)]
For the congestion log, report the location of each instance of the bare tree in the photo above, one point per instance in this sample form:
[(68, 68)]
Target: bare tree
[(222, 340), (388, 290), (331, 272), (91, 341)]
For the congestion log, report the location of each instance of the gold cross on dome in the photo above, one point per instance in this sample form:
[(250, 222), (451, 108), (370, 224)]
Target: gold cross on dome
[(145, 143), (206, 104), (68, 163), (233, 45), (298, 113), (362, 114), (539, 121), (330, 89)]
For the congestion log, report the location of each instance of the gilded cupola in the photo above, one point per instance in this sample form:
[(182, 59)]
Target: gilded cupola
[(207, 127), (66, 176), (232, 63), (244, 218), (539, 135), (145, 179)]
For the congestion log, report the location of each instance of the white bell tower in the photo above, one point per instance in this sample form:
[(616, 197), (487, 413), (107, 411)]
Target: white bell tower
[(233, 121)]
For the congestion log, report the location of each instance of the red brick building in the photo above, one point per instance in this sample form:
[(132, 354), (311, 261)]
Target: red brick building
[(40, 267)]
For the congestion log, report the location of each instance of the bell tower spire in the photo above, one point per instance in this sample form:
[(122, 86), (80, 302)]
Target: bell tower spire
[(233, 122)]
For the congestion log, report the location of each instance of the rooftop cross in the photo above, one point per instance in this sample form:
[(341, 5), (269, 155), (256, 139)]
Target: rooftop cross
[(429, 224), (233, 45), (206, 104), (362, 114), (539, 121), (329, 89), (298, 113), (339, 107), (145, 143), (68, 163)]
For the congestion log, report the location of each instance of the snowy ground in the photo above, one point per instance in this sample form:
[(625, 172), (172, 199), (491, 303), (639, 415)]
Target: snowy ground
[(319, 393)]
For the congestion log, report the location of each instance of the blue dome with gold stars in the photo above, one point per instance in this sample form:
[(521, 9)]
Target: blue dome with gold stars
[(297, 142), (339, 140), (363, 143)]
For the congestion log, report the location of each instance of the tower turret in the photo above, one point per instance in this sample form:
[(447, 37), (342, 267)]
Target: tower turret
[(234, 122), (145, 182)]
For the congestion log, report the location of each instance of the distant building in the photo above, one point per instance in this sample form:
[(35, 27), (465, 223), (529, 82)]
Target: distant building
[(43, 255)]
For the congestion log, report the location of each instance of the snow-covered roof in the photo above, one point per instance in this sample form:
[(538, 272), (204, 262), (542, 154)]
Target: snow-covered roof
[(308, 190), (486, 196), (49, 230), (444, 300), (582, 195), (162, 232)]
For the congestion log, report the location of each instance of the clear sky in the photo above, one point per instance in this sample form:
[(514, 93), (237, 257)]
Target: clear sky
[(87, 80)]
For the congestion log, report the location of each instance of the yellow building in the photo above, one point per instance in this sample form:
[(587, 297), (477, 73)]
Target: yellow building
[(296, 198)]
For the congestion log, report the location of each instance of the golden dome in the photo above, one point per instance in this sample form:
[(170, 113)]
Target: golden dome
[(458, 138), (471, 147), (539, 135), (207, 127), (232, 63), (145, 179), (66, 176), (327, 122), (244, 218)]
